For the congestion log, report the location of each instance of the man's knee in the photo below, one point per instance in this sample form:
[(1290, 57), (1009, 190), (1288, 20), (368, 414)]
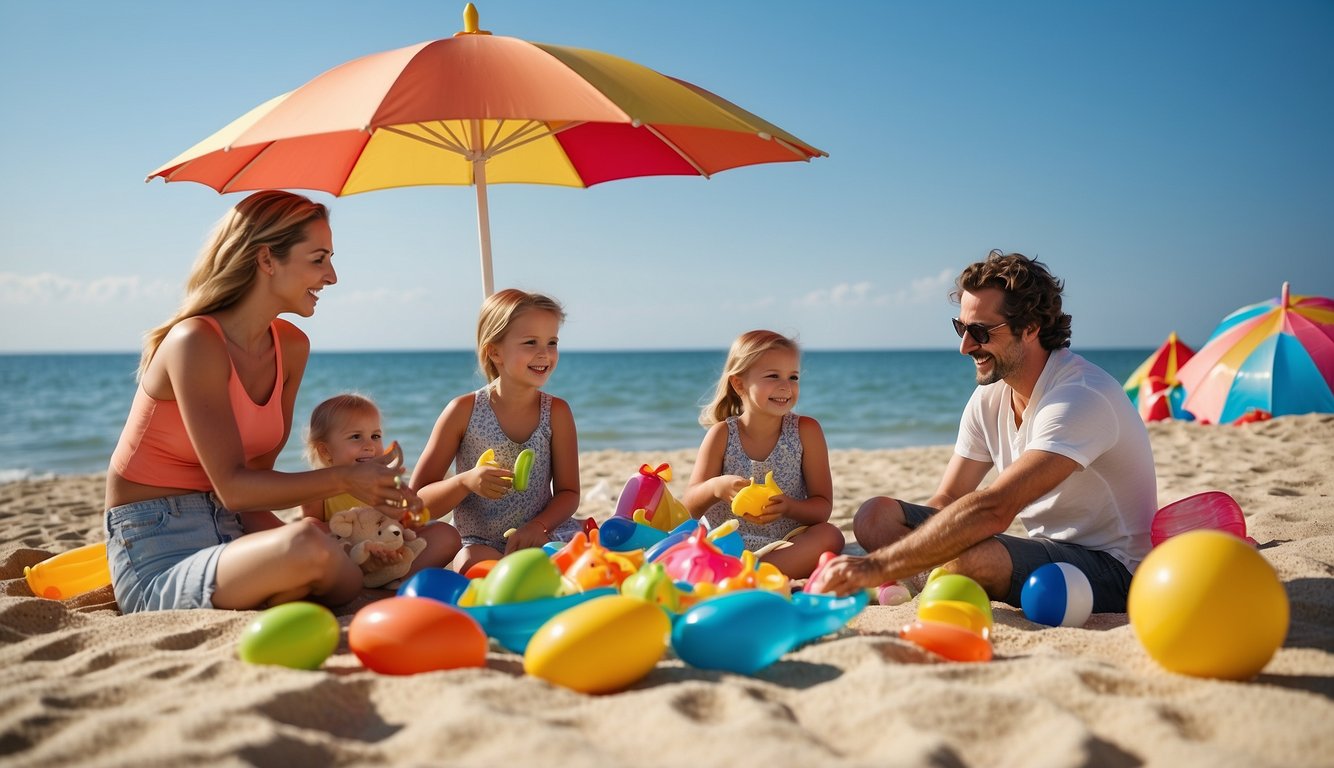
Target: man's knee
[(988, 563), (879, 522)]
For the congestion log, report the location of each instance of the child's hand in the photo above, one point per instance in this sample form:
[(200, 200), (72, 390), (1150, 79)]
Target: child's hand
[(530, 534), (726, 487), (775, 509), (488, 481)]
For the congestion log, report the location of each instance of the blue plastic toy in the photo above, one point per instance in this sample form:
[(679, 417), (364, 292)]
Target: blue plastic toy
[(436, 583), (513, 624), (621, 534)]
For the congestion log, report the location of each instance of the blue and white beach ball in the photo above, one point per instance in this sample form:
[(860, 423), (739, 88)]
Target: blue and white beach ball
[(1058, 595)]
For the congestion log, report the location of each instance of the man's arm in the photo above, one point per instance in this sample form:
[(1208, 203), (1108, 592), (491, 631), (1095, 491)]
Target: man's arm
[(970, 519)]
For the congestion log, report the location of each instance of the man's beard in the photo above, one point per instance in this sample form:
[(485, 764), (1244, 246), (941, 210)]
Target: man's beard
[(1001, 367)]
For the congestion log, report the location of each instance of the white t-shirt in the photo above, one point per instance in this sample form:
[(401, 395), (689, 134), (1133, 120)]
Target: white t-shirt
[(1078, 411)]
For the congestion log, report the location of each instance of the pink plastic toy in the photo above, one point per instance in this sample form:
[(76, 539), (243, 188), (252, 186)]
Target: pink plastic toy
[(1213, 510), (646, 499), (695, 560)]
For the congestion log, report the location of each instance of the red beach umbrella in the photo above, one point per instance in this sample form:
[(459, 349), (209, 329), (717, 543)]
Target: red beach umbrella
[(1154, 387), (478, 109)]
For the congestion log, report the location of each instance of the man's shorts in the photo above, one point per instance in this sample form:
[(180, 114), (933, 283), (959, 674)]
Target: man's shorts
[(1108, 577)]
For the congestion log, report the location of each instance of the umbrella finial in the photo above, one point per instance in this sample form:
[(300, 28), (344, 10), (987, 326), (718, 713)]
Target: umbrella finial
[(470, 22), (1283, 298)]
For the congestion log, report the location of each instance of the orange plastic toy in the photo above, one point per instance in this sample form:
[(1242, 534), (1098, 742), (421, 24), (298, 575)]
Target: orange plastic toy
[(71, 573)]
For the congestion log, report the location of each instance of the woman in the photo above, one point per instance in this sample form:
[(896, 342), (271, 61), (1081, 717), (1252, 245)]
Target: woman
[(191, 486)]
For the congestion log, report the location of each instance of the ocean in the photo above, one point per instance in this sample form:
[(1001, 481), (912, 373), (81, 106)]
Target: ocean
[(62, 413)]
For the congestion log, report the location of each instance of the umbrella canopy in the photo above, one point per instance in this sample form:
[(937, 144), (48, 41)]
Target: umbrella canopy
[(1154, 387), (478, 109), (1276, 356)]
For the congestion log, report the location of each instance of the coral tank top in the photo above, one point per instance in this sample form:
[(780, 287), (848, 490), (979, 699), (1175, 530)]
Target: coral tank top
[(154, 448)]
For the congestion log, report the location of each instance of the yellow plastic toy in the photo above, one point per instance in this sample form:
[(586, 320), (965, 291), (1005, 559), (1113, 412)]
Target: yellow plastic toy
[(601, 646), (750, 500), (69, 574)]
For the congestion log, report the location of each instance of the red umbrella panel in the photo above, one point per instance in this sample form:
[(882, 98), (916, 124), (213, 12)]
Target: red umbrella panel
[(1154, 387)]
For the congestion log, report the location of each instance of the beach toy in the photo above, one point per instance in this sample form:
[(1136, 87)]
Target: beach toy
[(622, 534), (652, 584), (943, 585), (820, 615), (1207, 604), (523, 467), (820, 564), (892, 593), (599, 646), (754, 575), (527, 574), (750, 501), (299, 635), (948, 640), (436, 583), (646, 499), (597, 566), (740, 632), (487, 459), (1058, 595), (407, 635), (1213, 510), (697, 560), (512, 625), (956, 613), (724, 537), (71, 573), (1251, 416), (480, 569)]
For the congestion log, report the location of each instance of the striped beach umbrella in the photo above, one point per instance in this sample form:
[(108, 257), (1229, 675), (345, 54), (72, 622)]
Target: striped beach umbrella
[(1154, 387), (1276, 356)]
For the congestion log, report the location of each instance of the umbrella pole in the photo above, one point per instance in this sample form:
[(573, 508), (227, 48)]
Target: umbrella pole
[(483, 224)]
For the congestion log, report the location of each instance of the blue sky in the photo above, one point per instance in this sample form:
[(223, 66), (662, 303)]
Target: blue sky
[(1170, 161)]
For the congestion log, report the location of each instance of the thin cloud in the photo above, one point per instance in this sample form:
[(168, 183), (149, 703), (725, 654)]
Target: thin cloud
[(47, 288), (928, 290), (840, 295)]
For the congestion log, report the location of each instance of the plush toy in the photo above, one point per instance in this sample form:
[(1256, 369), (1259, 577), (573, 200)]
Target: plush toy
[(365, 531)]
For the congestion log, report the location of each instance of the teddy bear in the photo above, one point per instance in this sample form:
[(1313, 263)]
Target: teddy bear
[(364, 531)]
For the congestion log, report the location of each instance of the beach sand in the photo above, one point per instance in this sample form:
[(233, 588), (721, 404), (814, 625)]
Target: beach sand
[(82, 684)]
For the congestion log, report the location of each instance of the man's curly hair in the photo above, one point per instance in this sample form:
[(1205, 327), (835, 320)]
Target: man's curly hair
[(1032, 295)]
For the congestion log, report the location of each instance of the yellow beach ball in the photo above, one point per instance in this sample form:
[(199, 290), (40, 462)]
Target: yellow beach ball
[(1207, 604)]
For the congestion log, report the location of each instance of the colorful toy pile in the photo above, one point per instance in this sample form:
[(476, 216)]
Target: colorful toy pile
[(953, 618), (594, 615)]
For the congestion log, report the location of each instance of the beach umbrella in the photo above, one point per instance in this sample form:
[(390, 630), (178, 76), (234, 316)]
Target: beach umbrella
[(1154, 387), (479, 109), (1276, 356)]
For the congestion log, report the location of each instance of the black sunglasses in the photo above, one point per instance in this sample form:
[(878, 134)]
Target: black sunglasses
[(980, 333)]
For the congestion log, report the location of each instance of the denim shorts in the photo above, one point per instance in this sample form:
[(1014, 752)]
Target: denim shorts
[(1108, 577), (163, 553)]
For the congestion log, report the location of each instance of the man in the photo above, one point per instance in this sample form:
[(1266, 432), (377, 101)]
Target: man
[(1072, 457)]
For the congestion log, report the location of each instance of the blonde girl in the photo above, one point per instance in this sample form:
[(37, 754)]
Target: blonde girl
[(345, 430), (753, 431), (517, 350)]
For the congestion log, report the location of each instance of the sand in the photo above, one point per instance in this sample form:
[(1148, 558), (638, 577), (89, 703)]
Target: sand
[(82, 684)]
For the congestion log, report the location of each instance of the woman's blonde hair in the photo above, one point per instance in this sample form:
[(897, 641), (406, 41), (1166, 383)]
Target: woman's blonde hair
[(226, 267), (327, 416), (498, 313), (744, 352)]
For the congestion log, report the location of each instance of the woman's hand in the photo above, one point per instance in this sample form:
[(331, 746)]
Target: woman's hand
[(379, 486), (488, 481)]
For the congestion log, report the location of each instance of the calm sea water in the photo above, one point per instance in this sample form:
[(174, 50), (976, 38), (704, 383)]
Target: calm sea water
[(62, 414)]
